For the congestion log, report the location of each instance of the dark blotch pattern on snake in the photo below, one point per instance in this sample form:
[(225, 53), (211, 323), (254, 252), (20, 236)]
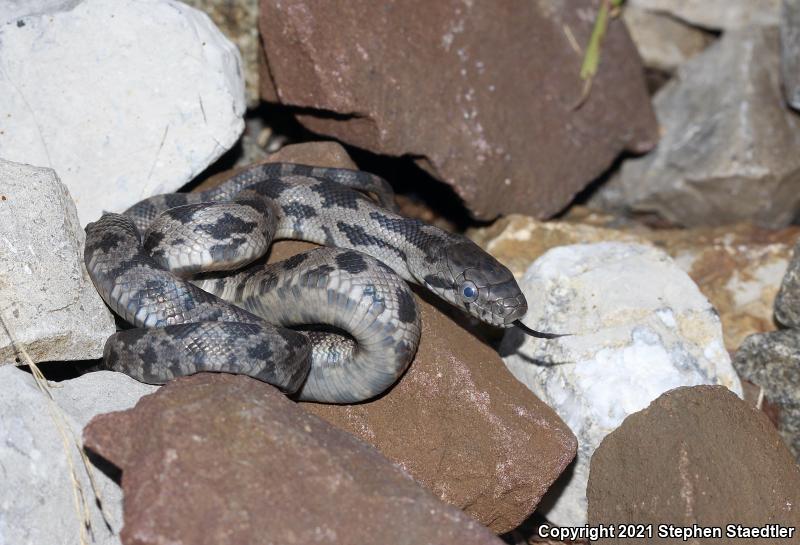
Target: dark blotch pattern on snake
[(238, 322)]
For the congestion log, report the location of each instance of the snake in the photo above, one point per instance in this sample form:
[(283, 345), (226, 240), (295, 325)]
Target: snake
[(337, 324)]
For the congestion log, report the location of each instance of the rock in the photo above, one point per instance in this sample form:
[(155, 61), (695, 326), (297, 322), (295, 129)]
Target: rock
[(150, 87), (49, 303), (695, 456), (517, 241), (755, 397), (663, 41), (771, 360), (254, 142), (460, 424), (270, 473), (509, 447), (639, 326), (37, 504), (238, 21), (790, 51), (483, 96), (728, 148), (715, 14), (323, 154), (738, 268), (787, 302)]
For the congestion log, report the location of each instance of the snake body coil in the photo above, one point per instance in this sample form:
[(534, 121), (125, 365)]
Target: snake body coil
[(228, 323)]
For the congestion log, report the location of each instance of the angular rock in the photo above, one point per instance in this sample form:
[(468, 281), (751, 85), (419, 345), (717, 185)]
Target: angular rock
[(239, 22), (49, 304), (790, 51), (257, 138), (738, 268), (122, 98), (517, 241), (36, 498), (460, 424), (728, 151), (787, 303), (237, 462), (509, 447), (695, 456), (663, 41), (639, 327), (323, 154), (484, 95), (772, 361), (716, 14)]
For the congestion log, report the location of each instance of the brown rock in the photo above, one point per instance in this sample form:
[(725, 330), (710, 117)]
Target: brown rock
[(484, 94), (696, 455), (460, 424), (332, 154), (457, 421), (739, 267), (322, 154), (228, 459)]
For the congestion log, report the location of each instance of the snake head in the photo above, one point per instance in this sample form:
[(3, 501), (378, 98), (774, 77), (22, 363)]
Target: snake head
[(473, 280)]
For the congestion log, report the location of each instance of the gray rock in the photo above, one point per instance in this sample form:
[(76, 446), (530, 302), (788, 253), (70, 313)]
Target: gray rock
[(639, 326), (36, 498), (787, 302), (663, 41), (716, 14), (790, 51), (772, 361), (729, 147), (47, 300)]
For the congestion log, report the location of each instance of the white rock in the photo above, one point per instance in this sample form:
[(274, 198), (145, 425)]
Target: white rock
[(717, 14), (123, 98), (46, 297), (639, 327), (36, 497)]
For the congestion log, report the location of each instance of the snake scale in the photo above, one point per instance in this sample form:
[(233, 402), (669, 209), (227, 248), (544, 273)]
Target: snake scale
[(157, 266)]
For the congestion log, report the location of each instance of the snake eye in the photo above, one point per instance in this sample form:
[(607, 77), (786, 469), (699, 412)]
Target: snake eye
[(469, 291)]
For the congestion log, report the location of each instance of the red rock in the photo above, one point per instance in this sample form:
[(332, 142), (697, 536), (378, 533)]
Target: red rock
[(215, 458), (457, 421), (484, 94), (461, 424), (697, 455), (323, 154)]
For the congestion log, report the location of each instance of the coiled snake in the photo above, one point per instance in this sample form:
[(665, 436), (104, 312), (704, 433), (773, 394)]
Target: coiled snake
[(139, 262)]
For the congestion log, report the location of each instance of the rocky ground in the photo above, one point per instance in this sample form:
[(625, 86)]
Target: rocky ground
[(652, 216)]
